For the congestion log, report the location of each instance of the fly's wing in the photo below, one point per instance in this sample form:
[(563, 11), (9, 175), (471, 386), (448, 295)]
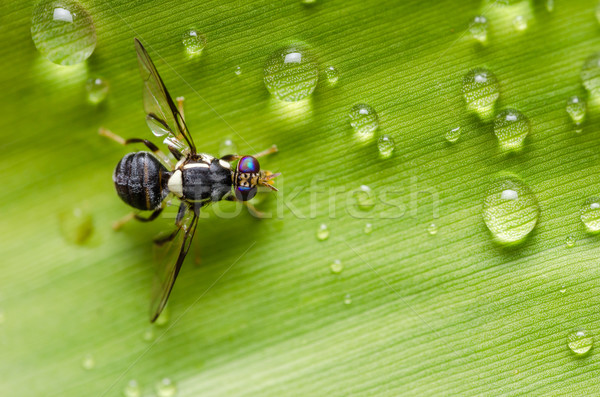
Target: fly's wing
[(162, 115), (170, 256)]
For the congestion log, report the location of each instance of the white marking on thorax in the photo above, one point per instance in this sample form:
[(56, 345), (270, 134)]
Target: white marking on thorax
[(206, 158), (195, 165), (175, 183), (180, 162), (225, 164)]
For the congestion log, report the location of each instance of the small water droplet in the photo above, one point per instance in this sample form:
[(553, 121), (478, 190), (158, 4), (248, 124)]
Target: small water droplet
[(479, 28), (368, 228), (386, 145), (88, 362), (166, 388), (193, 42), (364, 120), (347, 299), (238, 70), (308, 2), (227, 146), (453, 135), (63, 31), (76, 226), (520, 23), (336, 266), (570, 241), (149, 334), (590, 214), (97, 90), (365, 198), (576, 108), (510, 210), (164, 317), (332, 74), (590, 74), (291, 74), (511, 128), (481, 90), (132, 389), (562, 289), (322, 232), (580, 341), (550, 5), (432, 229)]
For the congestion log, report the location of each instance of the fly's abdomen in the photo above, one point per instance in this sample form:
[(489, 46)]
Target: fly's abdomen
[(141, 180)]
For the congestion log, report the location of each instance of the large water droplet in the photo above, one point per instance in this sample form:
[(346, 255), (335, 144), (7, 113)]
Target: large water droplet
[(193, 42), (453, 135), (580, 341), (132, 389), (76, 226), (227, 146), (386, 145), (590, 74), (88, 362), (511, 128), (510, 210), (365, 198), (63, 31), (479, 28), (481, 90), (364, 120), (590, 214), (291, 74), (322, 232), (576, 108), (332, 74), (336, 266), (97, 90)]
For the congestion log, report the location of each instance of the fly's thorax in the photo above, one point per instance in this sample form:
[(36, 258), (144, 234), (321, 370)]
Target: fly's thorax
[(201, 177)]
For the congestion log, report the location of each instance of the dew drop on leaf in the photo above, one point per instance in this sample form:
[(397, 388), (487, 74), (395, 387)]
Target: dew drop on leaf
[(590, 74), (237, 70), (76, 225), (165, 388), (580, 341), (481, 90), (97, 90), (479, 28), (368, 228), (386, 146), (227, 146), (432, 229), (550, 5), (364, 120), (332, 74), (511, 128), (365, 198), (336, 266), (520, 23), (590, 214), (322, 232), (193, 42), (164, 317), (132, 389), (570, 241), (453, 135), (347, 299), (88, 362), (576, 108), (291, 74)]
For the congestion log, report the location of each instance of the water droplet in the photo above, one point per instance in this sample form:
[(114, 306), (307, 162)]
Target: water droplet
[(88, 362), (308, 2), (291, 74), (347, 299), (322, 232), (453, 135), (63, 31), (590, 74), (332, 74), (510, 210), (368, 228), (149, 334), (576, 108), (365, 198), (550, 5), (238, 70), (364, 120), (590, 214), (562, 289), (166, 388), (570, 241), (226, 147), (386, 146), (76, 226), (164, 317), (511, 127), (520, 23), (97, 90), (478, 28), (481, 90), (193, 42), (132, 389), (336, 266), (580, 341), (432, 229)]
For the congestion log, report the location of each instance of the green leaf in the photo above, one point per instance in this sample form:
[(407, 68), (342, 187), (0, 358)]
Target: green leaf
[(256, 309)]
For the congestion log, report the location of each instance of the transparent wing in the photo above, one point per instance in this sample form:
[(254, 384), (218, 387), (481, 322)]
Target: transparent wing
[(170, 256), (162, 115)]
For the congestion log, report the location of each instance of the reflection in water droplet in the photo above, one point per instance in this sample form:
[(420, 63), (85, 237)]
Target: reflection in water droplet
[(590, 74), (481, 90), (166, 388), (576, 108), (432, 229), (368, 228), (364, 120), (97, 90), (510, 210), (63, 31), (511, 128), (132, 389), (386, 145), (570, 241), (580, 341), (590, 214), (193, 42), (291, 74), (479, 28), (365, 198), (88, 362), (520, 23), (76, 226), (322, 232), (308, 2), (227, 146), (332, 74), (453, 135), (347, 299), (336, 266)]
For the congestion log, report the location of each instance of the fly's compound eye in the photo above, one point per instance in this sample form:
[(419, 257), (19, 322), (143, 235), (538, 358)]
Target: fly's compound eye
[(248, 165), (245, 193)]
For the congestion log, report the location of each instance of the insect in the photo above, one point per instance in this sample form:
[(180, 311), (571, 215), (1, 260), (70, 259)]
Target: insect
[(146, 180)]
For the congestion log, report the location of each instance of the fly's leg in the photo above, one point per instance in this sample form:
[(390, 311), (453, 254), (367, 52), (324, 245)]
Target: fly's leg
[(180, 100), (183, 208), (122, 141), (119, 224)]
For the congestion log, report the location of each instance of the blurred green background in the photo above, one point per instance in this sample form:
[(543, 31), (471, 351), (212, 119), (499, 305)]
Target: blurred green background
[(260, 313)]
